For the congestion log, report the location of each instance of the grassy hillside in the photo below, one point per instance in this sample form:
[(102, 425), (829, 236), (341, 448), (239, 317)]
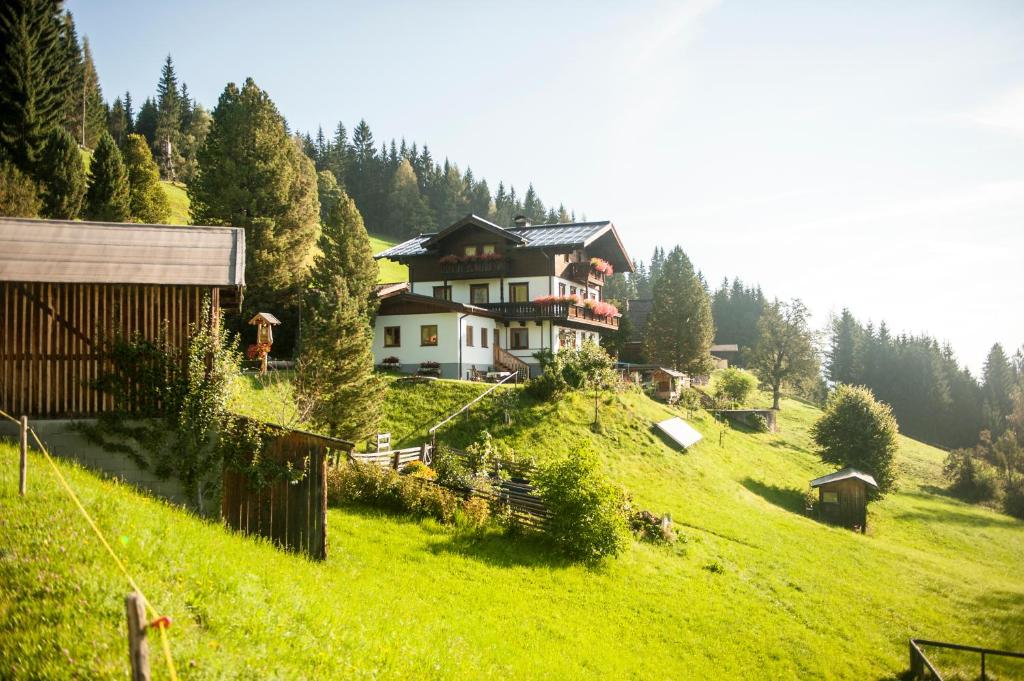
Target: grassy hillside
[(389, 270), (178, 198), (756, 590)]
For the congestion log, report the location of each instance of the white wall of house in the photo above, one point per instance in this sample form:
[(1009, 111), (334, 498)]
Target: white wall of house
[(451, 337)]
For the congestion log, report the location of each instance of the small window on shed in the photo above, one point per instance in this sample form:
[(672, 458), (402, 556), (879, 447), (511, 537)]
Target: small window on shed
[(830, 497)]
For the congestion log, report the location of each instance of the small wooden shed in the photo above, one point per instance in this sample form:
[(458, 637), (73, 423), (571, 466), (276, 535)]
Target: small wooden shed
[(843, 497), (67, 286)]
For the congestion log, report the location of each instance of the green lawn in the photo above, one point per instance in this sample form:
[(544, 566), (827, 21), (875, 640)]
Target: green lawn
[(389, 270), (178, 198), (755, 590)]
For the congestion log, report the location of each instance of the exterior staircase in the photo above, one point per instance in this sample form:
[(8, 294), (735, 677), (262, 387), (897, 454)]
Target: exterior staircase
[(506, 361)]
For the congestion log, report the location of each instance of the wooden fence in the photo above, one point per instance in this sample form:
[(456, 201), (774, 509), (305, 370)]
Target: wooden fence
[(395, 458), (525, 505), (292, 515)]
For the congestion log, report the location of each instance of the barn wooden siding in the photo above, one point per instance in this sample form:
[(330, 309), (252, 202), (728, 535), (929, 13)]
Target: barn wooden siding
[(293, 516), (52, 338)]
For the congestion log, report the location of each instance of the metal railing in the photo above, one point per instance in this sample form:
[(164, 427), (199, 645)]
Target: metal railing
[(919, 662)]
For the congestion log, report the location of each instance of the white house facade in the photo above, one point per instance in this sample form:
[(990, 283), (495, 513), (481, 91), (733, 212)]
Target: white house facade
[(484, 298)]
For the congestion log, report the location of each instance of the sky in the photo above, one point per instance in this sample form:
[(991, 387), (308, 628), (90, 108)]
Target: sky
[(857, 154)]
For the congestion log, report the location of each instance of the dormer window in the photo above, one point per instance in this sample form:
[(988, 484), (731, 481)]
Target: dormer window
[(470, 251)]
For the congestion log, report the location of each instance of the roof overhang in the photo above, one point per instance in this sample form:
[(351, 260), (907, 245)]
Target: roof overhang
[(845, 474), (396, 297), (473, 221)]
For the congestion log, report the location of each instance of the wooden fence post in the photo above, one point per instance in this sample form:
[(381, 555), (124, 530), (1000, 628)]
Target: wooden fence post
[(23, 466), (396, 457), (138, 647)]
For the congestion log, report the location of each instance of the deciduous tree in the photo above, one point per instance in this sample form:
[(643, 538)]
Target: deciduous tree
[(147, 200), (785, 353)]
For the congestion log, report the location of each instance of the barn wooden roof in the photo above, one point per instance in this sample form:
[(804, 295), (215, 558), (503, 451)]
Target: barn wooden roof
[(64, 251), (845, 474)]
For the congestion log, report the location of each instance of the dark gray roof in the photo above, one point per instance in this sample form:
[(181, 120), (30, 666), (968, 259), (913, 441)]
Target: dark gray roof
[(69, 251), (563, 235), (844, 474)]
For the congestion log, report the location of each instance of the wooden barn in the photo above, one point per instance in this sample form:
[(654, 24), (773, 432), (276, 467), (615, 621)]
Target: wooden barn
[(67, 286), (843, 497)]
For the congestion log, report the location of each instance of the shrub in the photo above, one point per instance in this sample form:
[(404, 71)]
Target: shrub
[(372, 485), (475, 512), (418, 469), (649, 527), (1013, 502), (451, 470), (689, 399), (759, 423), (970, 477), (735, 385), (587, 517), (858, 431)]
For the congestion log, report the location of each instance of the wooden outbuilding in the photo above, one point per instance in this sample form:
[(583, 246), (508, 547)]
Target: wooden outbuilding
[(664, 383), (843, 497), (66, 287)]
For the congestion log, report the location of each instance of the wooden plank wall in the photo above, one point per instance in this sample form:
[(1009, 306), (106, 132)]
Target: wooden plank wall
[(52, 338), (293, 516)]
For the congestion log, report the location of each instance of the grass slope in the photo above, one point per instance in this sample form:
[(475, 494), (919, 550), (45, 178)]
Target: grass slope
[(389, 270), (177, 196), (756, 591)]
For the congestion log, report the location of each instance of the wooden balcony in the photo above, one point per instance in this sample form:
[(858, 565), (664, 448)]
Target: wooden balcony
[(553, 311), (475, 269), (585, 274)]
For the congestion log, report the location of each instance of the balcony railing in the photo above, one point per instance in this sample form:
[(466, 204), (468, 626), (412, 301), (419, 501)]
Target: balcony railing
[(584, 273), (475, 268), (533, 311)]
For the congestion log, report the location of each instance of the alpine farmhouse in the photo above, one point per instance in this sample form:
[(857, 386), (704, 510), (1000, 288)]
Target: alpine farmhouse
[(483, 298)]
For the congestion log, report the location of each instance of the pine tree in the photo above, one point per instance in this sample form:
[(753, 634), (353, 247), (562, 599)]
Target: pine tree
[(129, 112), (533, 207), (252, 175), (168, 121), (145, 124), (62, 175), (680, 328), (117, 122), (107, 198), (335, 382), (147, 201), (95, 123), (33, 72), (19, 194), (844, 351), (785, 353), (74, 80), (408, 212), (997, 387)]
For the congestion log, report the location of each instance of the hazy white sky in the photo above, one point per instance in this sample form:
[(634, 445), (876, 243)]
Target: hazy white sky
[(866, 154)]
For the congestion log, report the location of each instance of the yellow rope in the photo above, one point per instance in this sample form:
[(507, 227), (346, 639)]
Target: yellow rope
[(103, 540)]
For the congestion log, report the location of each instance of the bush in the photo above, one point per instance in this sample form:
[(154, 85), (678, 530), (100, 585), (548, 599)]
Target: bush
[(970, 477), (689, 399), (451, 470), (734, 386), (858, 431), (586, 367), (1013, 502), (475, 512), (372, 485), (649, 527), (418, 469), (587, 512), (759, 423)]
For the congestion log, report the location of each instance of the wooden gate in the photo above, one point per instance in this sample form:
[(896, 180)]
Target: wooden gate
[(292, 515)]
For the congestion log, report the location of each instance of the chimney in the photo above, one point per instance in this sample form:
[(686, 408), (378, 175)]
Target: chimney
[(521, 221)]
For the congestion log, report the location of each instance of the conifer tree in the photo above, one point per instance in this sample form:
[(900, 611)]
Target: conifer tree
[(19, 194), (117, 122), (62, 175), (785, 353), (680, 328), (33, 73), (74, 79), (335, 382), (252, 175), (129, 112), (533, 207), (145, 124), (107, 198), (147, 200), (844, 352), (408, 212), (95, 110), (168, 121), (997, 387)]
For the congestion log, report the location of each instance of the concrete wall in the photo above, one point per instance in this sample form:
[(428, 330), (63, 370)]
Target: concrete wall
[(63, 441)]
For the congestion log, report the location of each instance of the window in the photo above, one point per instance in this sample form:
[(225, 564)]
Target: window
[(469, 250), (519, 293), (428, 334), (561, 289), (392, 336), (443, 292), (519, 338), (830, 497), (479, 294), (572, 290), (487, 249), (483, 338), (469, 336)]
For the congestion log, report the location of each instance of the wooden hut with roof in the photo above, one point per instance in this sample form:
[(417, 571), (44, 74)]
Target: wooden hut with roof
[(843, 497), (67, 286)]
